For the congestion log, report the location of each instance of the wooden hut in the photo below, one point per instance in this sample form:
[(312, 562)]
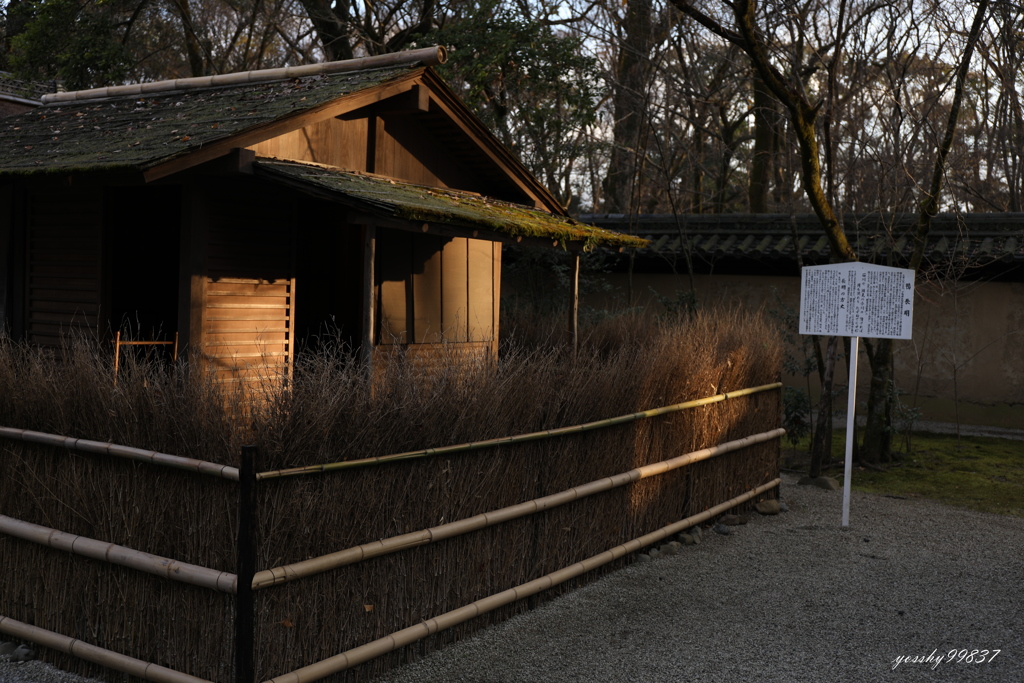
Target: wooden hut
[(247, 213)]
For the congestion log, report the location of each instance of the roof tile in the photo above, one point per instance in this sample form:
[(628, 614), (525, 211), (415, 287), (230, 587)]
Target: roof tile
[(974, 239)]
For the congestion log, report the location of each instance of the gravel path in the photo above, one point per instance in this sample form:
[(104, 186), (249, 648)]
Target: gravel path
[(787, 598), (36, 672)]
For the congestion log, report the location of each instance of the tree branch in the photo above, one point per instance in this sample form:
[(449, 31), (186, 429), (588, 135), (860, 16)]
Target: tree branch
[(930, 203)]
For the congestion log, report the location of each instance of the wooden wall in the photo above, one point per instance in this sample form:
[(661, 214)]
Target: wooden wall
[(89, 257), (432, 290), (407, 150), (63, 270), (333, 141), (393, 145), (428, 290), (250, 283), (243, 247)]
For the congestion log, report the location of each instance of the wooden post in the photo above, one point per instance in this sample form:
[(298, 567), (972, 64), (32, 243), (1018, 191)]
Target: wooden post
[(17, 238), (117, 354), (6, 201), (192, 271), (369, 298), (245, 612), (574, 300)]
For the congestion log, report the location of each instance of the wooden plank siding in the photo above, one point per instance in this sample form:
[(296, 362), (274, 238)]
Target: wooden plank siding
[(400, 147), (250, 286), (455, 291), (425, 319), (64, 277), (406, 150), (329, 267), (435, 292), (484, 291), (333, 141), (432, 355)]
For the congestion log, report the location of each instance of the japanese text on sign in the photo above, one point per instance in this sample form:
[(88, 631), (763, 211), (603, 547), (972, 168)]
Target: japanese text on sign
[(857, 300)]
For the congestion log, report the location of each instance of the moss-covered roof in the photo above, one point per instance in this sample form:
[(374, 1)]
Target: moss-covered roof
[(441, 206), (136, 133)]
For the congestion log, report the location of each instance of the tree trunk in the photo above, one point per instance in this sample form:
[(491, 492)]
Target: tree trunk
[(821, 443), (330, 27), (698, 172), (632, 73), (877, 447), (196, 59)]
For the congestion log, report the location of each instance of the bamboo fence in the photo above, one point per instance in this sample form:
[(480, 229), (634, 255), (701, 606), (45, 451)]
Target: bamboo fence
[(407, 636), (349, 601), (117, 554), (227, 582), (298, 570), (102, 448), (91, 653), (518, 438)]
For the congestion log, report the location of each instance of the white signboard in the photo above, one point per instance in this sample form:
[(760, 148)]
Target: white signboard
[(857, 300)]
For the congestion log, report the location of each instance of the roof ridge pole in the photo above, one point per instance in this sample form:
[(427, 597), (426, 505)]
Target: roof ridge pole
[(427, 56)]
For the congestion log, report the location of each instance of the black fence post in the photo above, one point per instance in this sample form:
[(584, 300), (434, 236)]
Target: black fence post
[(245, 612)]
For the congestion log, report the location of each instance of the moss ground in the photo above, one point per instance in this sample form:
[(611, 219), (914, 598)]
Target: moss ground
[(979, 473)]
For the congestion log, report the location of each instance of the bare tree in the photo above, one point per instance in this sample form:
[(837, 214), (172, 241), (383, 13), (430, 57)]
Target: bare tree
[(878, 435)]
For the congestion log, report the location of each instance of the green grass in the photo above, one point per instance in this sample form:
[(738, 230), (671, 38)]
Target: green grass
[(980, 473)]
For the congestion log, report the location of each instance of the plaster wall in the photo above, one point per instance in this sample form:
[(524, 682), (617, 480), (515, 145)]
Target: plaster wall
[(965, 361)]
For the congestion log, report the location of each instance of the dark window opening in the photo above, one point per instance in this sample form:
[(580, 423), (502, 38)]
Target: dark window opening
[(143, 233)]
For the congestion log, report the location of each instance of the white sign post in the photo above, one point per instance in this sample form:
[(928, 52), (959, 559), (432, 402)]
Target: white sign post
[(856, 300)]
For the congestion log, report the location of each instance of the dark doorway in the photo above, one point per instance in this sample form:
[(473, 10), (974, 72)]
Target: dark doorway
[(328, 279)]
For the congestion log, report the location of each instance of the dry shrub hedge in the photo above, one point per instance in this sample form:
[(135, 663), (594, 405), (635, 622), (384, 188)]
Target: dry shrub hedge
[(332, 410)]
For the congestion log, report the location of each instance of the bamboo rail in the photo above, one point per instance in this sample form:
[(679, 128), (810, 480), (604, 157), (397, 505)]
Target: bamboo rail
[(86, 446), (376, 648), (117, 554), (519, 438), (317, 565), (94, 654)]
